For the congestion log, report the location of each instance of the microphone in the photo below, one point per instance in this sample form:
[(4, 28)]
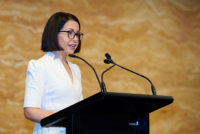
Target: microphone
[(74, 56), (103, 86), (109, 60), (108, 56)]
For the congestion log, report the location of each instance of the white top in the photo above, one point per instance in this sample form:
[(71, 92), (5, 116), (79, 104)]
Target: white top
[(49, 87)]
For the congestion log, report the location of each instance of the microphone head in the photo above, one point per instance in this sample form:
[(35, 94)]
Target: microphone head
[(107, 61), (71, 55), (108, 56)]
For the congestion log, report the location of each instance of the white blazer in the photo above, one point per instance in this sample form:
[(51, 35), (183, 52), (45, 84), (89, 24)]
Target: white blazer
[(49, 87)]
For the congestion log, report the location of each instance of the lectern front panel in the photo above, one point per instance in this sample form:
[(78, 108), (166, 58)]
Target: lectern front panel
[(108, 123)]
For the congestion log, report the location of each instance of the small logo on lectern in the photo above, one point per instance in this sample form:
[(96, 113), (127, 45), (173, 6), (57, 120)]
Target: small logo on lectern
[(134, 124)]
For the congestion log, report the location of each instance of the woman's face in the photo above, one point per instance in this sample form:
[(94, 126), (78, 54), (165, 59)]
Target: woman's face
[(69, 45)]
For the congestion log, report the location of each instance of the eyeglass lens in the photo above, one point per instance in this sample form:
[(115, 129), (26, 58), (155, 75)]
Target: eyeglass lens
[(72, 34)]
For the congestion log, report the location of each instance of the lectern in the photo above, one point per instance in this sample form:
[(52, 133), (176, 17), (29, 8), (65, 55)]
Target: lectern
[(108, 113)]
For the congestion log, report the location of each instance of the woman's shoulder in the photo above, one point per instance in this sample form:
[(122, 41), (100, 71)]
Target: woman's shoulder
[(37, 63)]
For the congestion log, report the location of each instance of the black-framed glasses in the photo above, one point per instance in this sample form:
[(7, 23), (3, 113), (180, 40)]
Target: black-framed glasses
[(72, 34)]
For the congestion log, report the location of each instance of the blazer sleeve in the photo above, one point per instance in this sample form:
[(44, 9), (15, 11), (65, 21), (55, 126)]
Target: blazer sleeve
[(34, 85)]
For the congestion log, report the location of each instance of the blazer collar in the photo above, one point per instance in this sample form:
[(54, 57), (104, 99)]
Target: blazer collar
[(52, 55)]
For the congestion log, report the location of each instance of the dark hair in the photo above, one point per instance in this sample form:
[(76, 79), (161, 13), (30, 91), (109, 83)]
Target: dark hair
[(54, 24)]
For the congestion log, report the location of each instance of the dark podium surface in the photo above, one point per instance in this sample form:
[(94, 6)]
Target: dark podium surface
[(108, 112)]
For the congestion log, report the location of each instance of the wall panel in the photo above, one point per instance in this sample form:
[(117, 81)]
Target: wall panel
[(157, 38)]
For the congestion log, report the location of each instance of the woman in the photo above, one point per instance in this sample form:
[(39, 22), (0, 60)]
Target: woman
[(52, 82)]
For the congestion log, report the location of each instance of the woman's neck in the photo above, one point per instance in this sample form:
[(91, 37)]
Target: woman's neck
[(60, 55)]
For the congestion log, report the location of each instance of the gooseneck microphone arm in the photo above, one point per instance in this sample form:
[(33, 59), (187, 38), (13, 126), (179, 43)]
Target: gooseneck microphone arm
[(103, 86), (109, 60), (74, 56)]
